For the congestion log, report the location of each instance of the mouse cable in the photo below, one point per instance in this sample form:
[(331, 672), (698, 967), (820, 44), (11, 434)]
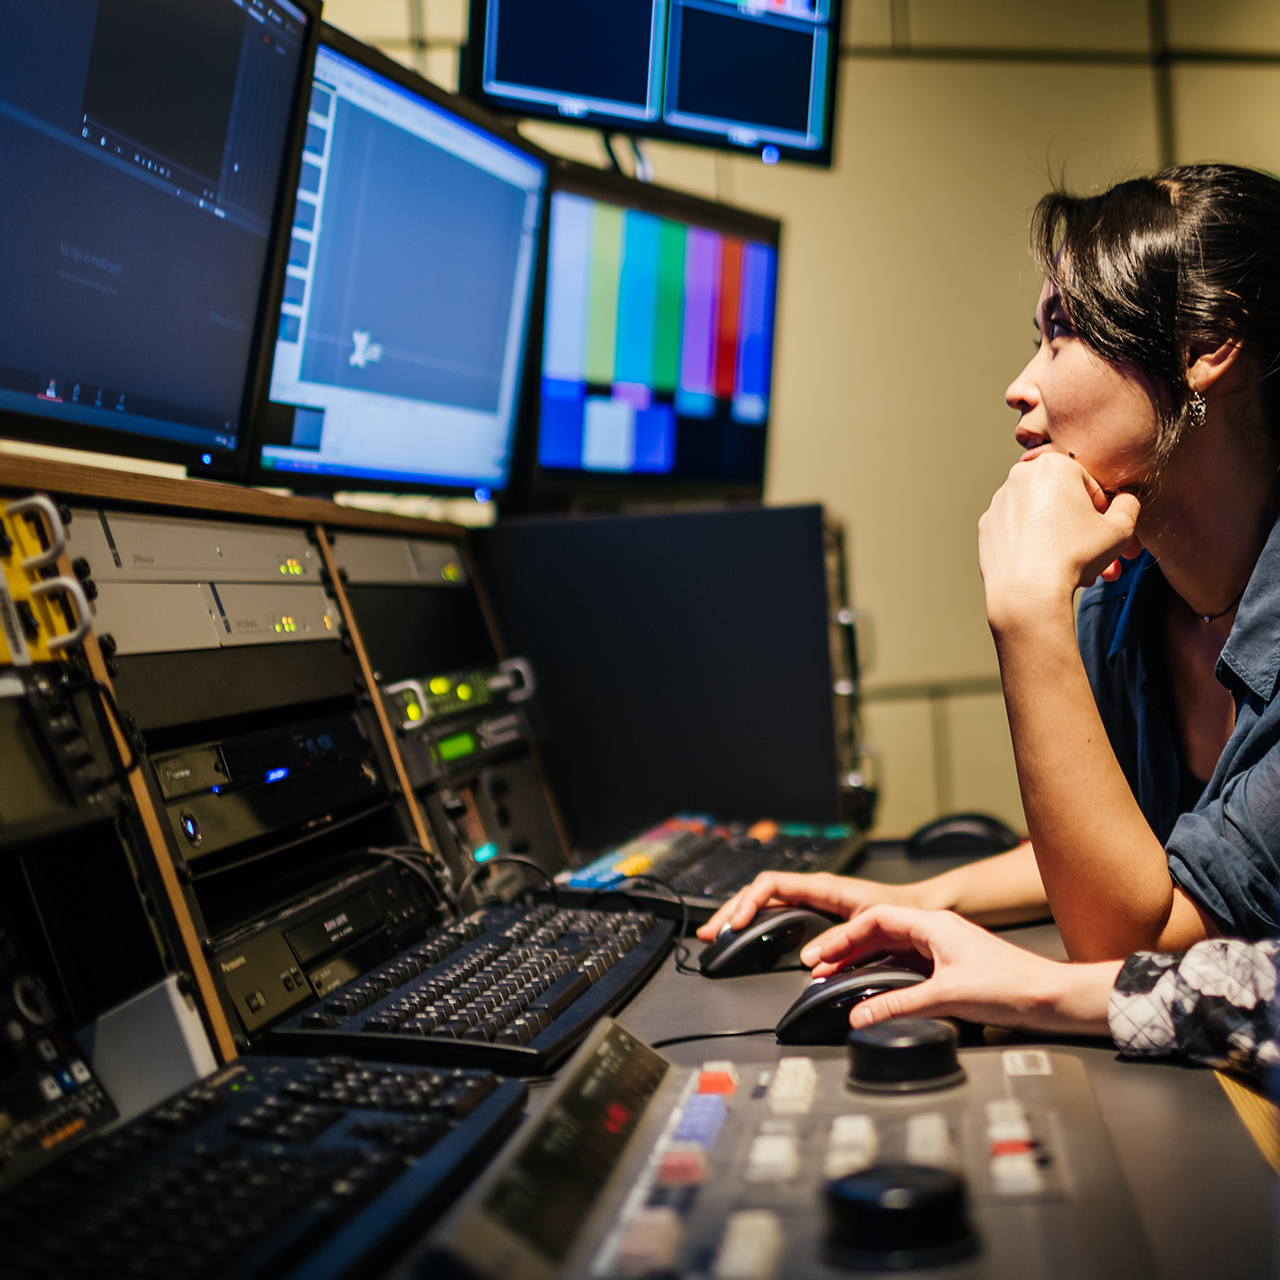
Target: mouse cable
[(712, 1035), (622, 890), (506, 857)]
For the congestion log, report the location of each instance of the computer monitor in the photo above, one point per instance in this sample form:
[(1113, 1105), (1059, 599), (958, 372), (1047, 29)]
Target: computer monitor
[(657, 346), (744, 75), (143, 150), (402, 331)]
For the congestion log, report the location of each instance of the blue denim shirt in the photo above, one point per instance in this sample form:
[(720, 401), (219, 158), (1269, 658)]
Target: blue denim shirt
[(1223, 849)]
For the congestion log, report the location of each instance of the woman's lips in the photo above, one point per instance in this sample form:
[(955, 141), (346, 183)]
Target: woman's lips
[(1029, 440)]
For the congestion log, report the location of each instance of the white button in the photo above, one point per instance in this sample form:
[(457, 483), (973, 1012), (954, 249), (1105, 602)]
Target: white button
[(49, 1087), (773, 1157), (1015, 1174), (1007, 1122), (929, 1140), (79, 1072), (650, 1242), (852, 1146), (751, 1246), (791, 1093)]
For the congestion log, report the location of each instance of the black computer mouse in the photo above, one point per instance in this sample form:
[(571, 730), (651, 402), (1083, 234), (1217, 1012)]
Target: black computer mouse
[(821, 1015), (772, 934), (962, 833)]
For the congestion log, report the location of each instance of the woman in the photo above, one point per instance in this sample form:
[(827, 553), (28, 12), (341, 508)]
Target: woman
[(1148, 741)]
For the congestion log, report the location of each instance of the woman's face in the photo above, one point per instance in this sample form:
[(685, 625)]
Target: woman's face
[(1072, 401)]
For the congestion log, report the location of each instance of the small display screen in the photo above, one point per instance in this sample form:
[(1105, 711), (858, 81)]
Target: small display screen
[(657, 353), (549, 1190), (456, 746)]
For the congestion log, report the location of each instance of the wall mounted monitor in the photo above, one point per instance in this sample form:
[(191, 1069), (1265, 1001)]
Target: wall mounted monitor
[(744, 75), (144, 149), (405, 313), (657, 345)]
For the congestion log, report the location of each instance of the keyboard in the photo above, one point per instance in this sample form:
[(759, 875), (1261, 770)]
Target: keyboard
[(273, 1167), (705, 864), (508, 989)]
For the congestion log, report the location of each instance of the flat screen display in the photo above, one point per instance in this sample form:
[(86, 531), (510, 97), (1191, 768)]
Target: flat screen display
[(142, 146), (657, 345), (406, 302), (751, 75)]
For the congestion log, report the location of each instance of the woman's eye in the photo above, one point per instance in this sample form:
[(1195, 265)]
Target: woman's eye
[(1058, 329)]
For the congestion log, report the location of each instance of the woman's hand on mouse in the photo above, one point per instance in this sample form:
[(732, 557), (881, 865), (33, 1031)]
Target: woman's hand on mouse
[(976, 976), (840, 895), (1050, 528)]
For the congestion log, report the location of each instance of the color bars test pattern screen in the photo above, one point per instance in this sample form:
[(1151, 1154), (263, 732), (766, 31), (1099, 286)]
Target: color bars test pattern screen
[(658, 345)]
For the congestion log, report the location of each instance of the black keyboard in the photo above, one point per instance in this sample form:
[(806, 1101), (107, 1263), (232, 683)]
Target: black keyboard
[(273, 1167), (705, 865), (510, 989)]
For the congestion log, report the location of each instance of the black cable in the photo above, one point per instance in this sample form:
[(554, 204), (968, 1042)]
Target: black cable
[(406, 856), (682, 952), (506, 857), (712, 1035)]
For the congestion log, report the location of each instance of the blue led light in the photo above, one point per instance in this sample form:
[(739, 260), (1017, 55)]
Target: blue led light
[(207, 459), (274, 775), (482, 493), (771, 154), (485, 852), (217, 791)]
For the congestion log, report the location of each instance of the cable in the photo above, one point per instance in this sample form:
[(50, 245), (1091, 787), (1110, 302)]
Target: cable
[(682, 953), (506, 857), (404, 854), (712, 1035)]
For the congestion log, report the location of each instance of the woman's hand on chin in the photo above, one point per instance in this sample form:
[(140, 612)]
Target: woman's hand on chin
[(1049, 529)]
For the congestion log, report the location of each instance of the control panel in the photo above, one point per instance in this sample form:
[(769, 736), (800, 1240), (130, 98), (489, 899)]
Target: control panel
[(909, 1159)]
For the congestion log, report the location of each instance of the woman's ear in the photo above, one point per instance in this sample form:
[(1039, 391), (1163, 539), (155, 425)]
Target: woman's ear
[(1207, 361)]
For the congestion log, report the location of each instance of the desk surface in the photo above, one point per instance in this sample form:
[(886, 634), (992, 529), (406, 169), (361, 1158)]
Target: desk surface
[(1203, 1192)]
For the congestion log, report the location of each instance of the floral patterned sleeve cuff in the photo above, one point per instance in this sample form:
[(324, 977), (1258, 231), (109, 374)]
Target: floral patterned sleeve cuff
[(1212, 1005)]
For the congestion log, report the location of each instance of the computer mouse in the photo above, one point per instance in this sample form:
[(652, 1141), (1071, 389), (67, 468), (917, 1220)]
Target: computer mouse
[(960, 833), (772, 934), (821, 1015)]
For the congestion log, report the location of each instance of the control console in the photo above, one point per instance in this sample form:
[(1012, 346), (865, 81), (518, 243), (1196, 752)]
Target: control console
[(909, 1157)]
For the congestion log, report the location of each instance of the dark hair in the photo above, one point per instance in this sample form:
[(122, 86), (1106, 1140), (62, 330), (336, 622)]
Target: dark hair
[(1156, 264)]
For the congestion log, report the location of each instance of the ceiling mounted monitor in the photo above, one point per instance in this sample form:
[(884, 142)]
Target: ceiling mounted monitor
[(744, 75)]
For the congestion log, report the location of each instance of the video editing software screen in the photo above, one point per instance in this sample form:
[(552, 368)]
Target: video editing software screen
[(756, 75), (141, 152), (657, 347), (406, 303)]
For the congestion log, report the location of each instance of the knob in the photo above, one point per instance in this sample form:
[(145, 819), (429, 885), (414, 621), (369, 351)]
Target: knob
[(904, 1055), (897, 1217)]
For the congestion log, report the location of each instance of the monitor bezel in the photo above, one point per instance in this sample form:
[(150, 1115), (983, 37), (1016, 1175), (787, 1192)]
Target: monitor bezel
[(226, 465), (303, 482), (547, 489), (471, 84)]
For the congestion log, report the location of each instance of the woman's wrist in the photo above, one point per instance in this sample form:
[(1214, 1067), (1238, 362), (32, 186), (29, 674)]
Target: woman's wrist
[(1075, 997)]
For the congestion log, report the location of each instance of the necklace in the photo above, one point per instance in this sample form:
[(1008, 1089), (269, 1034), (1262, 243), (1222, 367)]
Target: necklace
[(1213, 617)]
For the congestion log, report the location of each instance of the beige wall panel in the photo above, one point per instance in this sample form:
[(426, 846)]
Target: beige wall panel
[(982, 769), (867, 22), (442, 68), (1031, 24), (370, 20), (688, 168), (445, 19), (905, 309), (1227, 113), (402, 54), (900, 734), (1224, 24), (566, 140)]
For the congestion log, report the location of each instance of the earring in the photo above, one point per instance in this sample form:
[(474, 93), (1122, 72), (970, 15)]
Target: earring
[(1197, 410)]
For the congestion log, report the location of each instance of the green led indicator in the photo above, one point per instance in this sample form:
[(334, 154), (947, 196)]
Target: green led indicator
[(456, 746)]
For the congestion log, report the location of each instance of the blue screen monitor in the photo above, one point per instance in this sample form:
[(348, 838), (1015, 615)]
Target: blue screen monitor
[(657, 343), (744, 75), (402, 330), (144, 154)]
